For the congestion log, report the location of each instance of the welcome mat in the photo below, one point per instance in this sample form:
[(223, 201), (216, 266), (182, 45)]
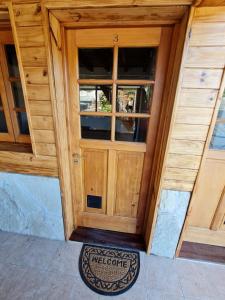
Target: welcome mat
[(108, 271)]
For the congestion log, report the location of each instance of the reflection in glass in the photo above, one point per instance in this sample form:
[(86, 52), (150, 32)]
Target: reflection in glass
[(95, 63), (134, 99), (136, 63), (218, 137), (3, 126), (23, 123), (221, 113), (94, 127), (131, 129), (96, 98), (12, 60), (18, 94)]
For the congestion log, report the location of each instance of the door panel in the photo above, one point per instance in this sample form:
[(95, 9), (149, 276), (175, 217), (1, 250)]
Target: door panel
[(94, 179), (129, 171), (114, 103)]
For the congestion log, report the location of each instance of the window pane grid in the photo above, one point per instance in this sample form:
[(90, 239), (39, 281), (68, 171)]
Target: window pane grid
[(125, 122)]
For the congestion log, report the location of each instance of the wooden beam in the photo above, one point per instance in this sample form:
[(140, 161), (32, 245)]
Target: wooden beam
[(51, 4), (122, 16)]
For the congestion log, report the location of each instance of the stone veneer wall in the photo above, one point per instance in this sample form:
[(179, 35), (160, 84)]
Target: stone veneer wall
[(170, 220), (31, 205)]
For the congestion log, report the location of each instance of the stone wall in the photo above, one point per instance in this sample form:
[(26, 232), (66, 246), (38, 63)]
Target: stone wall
[(31, 205), (170, 220)]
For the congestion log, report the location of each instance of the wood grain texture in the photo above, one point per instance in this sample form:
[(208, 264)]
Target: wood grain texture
[(27, 38), (46, 149), (111, 3), (40, 108), (204, 236), (38, 92), (202, 78), (28, 14), (122, 15), (124, 37), (186, 147), (190, 132), (202, 98), (183, 161), (177, 185), (128, 183), (210, 14), (42, 122), (206, 57), (44, 136), (207, 34), (34, 57), (36, 75), (193, 115), (180, 174)]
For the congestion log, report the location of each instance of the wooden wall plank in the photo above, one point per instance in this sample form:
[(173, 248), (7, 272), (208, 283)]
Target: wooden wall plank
[(38, 92), (46, 149), (186, 147), (31, 36), (190, 132), (183, 161), (44, 136), (178, 185), (208, 34), (28, 14), (194, 115), (202, 78), (42, 122), (210, 14), (180, 174), (33, 56), (36, 75), (40, 108), (206, 57), (198, 97)]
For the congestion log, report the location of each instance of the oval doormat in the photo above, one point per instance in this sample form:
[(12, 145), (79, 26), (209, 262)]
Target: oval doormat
[(108, 271)]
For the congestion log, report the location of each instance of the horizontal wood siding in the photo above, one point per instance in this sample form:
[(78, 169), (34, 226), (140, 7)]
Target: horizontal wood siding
[(29, 27), (201, 79), (29, 32)]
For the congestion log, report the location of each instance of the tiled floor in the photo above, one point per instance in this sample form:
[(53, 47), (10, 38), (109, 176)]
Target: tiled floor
[(34, 268)]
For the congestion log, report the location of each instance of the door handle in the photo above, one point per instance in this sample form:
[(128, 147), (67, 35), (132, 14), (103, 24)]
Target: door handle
[(76, 158)]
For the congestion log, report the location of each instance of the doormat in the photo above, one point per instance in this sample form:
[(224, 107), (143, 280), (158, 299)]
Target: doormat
[(108, 271)]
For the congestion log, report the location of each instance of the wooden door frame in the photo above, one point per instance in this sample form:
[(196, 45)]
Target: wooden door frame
[(54, 33)]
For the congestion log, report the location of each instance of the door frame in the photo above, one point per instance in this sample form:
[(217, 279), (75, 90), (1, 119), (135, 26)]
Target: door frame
[(54, 31)]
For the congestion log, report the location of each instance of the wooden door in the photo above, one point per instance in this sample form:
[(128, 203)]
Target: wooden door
[(206, 222), (116, 79)]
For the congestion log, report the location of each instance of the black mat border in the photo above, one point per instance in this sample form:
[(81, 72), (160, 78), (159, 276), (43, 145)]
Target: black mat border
[(99, 291)]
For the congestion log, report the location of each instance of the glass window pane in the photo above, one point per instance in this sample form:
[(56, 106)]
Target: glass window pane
[(131, 129), (95, 63), (96, 98), (23, 123), (221, 113), (218, 137), (12, 61), (134, 99), (136, 63), (18, 94), (3, 126), (98, 128)]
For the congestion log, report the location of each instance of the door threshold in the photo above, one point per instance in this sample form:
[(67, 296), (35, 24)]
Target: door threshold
[(109, 238), (198, 251)]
